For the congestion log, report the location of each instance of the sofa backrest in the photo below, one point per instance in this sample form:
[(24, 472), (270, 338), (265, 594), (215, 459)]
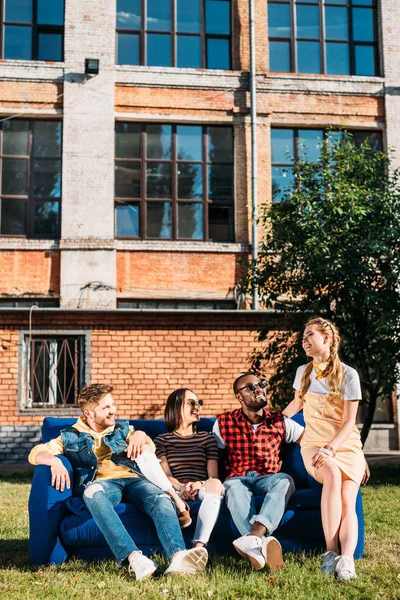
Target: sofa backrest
[(292, 461)]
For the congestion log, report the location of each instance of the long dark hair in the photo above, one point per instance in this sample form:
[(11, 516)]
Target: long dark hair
[(173, 407)]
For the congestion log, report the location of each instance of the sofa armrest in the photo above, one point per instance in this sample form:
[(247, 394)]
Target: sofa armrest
[(47, 508)]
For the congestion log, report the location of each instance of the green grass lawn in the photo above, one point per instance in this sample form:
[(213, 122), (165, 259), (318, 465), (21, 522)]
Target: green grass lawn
[(225, 578)]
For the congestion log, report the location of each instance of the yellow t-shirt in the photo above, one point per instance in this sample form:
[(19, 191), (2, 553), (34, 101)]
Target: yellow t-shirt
[(106, 469)]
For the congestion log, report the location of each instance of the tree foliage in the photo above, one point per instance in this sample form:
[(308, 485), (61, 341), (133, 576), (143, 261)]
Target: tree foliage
[(331, 248)]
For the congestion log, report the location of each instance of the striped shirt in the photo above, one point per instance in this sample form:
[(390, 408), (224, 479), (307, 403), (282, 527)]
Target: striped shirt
[(187, 456)]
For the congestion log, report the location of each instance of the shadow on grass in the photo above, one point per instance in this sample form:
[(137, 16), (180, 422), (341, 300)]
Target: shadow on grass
[(388, 474), (16, 476), (14, 553)]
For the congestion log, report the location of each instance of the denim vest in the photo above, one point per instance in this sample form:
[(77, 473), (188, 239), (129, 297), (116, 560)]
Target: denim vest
[(79, 450)]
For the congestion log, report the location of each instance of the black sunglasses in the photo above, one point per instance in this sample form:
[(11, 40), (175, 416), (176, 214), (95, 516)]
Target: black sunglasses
[(194, 403), (253, 386)]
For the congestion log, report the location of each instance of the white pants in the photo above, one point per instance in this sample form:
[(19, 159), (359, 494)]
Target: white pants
[(207, 515), (149, 465)]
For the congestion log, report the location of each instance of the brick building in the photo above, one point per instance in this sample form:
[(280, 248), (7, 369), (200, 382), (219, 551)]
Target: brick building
[(126, 194)]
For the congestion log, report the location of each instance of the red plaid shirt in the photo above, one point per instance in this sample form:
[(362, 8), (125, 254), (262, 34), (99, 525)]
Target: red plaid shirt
[(249, 450)]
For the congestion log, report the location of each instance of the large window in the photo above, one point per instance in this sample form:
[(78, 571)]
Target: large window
[(174, 33), (32, 29), (54, 370), (30, 178), (178, 304), (338, 37), (290, 145), (174, 182)]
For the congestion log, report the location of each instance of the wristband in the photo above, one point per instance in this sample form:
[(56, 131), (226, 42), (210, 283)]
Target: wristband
[(326, 451)]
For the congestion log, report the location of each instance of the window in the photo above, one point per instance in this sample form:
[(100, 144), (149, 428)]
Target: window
[(33, 29), (174, 33), (290, 145), (337, 37), (54, 369), (28, 302), (179, 304), (30, 178), (174, 182)]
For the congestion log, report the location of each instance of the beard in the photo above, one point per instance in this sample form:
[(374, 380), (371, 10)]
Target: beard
[(257, 404)]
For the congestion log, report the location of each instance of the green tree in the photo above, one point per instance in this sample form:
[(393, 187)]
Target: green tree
[(332, 248)]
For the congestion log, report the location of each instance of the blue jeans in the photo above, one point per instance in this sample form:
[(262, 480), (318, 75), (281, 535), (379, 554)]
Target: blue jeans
[(101, 496), (239, 497)]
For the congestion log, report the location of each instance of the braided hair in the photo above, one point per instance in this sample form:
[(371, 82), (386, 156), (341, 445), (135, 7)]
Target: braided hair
[(334, 371)]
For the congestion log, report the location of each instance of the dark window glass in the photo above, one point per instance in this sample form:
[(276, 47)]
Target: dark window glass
[(189, 51), (159, 141), (15, 137), (189, 142), (47, 178), (158, 180), (159, 50), (50, 46), (218, 17), (190, 181), (218, 54), (188, 16), (190, 34), (290, 145), (127, 220), (13, 216), (307, 21), (220, 223), (158, 15), (128, 49), (279, 56), (17, 42), (363, 24), (173, 159), (337, 37), (337, 58), (159, 220), (365, 60), (128, 14), (190, 220), (127, 140), (308, 57), (47, 139), (33, 30), (46, 218), (15, 177), (18, 11), (50, 12), (127, 180), (279, 20)]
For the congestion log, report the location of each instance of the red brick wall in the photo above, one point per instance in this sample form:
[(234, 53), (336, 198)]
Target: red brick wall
[(145, 356), (32, 94), (177, 274), (30, 272)]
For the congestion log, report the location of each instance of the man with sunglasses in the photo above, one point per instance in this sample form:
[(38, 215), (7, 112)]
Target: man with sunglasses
[(251, 438)]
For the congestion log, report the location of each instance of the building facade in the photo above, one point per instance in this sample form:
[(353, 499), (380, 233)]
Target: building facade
[(126, 185)]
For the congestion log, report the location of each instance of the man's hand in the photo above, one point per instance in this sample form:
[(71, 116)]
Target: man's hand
[(137, 441), (59, 475), (366, 475)]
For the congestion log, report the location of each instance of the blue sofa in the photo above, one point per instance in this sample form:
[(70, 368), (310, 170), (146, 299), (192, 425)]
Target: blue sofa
[(61, 526)]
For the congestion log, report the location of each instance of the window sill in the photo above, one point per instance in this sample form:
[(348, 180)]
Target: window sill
[(50, 411), (180, 246)]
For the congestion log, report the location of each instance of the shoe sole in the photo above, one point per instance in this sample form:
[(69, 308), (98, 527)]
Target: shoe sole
[(193, 563), (274, 558), (251, 559)]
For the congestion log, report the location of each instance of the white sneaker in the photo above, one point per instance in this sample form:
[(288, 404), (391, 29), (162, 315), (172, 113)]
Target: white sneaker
[(329, 562), (141, 566), (250, 547), (188, 562), (272, 551), (345, 568)]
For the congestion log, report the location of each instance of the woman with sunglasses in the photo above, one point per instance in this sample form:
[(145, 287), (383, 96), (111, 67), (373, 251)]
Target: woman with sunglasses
[(328, 392), (190, 460)]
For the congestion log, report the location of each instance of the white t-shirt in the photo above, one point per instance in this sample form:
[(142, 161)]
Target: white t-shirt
[(351, 384), (293, 431)]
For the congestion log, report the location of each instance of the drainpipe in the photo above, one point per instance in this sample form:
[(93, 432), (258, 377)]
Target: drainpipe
[(253, 120)]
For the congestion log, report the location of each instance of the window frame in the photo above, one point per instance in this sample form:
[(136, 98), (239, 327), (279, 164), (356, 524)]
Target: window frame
[(296, 145), (143, 201), (30, 198), (24, 371), (36, 29), (323, 40), (174, 33), (175, 304)]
